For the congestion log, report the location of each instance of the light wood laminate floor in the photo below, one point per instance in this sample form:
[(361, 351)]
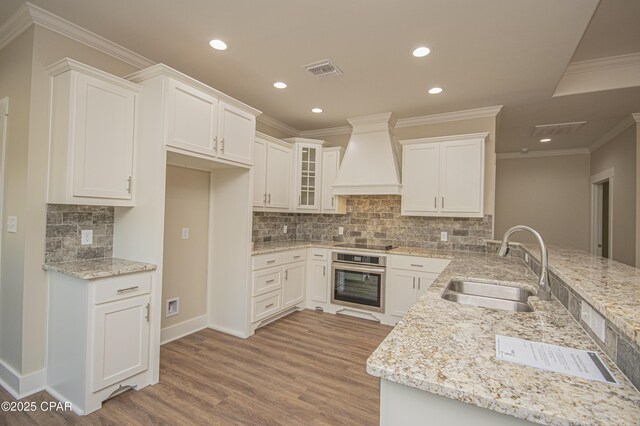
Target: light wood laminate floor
[(305, 369)]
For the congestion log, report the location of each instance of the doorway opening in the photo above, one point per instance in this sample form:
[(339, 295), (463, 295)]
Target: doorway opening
[(602, 214)]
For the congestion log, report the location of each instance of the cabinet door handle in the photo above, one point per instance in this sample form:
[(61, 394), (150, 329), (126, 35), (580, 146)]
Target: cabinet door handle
[(415, 265), (418, 283), (269, 305), (324, 271), (271, 261), (129, 180), (443, 202), (414, 283), (435, 202), (317, 255), (286, 274), (269, 200), (332, 200), (147, 314), (297, 257), (270, 281), (222, 145), (124, 290)]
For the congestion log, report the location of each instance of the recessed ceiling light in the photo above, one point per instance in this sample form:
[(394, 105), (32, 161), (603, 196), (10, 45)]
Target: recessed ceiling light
[(317, 110), (545, 140), (435, 90), (280, 85), (218, 44), (421, 52)]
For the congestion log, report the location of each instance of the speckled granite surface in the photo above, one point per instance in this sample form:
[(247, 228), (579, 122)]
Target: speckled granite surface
[(613, 288), (98, 268), (449, 349)]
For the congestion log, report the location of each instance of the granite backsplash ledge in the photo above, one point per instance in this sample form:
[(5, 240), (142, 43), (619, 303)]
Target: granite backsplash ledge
[(65, 224), (375, 220)]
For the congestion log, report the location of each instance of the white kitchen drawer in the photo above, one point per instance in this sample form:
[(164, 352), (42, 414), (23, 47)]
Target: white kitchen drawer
[(266, 305), (294, 256), (417, 263), (318, 254), (267, 280), (262, 261), (121, 287)]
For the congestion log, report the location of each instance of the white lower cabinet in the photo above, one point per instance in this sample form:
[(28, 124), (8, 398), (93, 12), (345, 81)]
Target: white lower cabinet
[(98, 337), (278, 285), (408, 279), (318, 277)]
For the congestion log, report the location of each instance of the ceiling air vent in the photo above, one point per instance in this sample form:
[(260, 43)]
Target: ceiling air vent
[(548, 130), (323, 69)]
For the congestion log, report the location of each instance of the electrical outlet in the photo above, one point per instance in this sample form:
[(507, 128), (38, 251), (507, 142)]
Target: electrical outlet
[(594, 320), (340, 230), (87, 237), (173, 307), (12, 224), (444, 236), (185, 233), (284, 229)]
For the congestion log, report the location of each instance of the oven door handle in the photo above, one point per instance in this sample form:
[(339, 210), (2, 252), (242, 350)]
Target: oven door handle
[(350, 267)]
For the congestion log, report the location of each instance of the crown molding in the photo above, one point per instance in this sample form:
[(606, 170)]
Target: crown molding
[(601, 64), (613, 132), (278, 125), (543, 153), (29, 14), (330, 131), (468, 114)]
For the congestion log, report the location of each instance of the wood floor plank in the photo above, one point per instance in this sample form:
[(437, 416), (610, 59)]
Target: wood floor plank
[(306, 368)]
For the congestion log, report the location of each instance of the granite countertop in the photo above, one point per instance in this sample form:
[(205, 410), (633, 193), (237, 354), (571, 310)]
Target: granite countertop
[(98, 268), (448, 349), (612, 288)]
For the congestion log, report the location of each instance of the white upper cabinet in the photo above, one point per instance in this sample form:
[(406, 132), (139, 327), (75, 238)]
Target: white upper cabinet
[(272, 167), (236, 130), (331, 159), (92, 136), (193, 119), (308, 175), (443, 176)]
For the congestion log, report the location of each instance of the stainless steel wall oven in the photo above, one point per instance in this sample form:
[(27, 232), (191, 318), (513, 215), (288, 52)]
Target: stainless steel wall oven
[(358, 280)]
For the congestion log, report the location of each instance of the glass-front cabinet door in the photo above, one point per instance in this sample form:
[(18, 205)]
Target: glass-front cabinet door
[(308, 179)]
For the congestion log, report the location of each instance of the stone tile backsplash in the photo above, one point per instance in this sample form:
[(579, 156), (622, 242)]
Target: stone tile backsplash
[(64, 227), (375, 220)]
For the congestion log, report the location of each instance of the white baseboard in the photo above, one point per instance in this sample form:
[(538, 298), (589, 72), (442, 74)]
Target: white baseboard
[(228, 331), (182, 329), (20, 386), (60, 398)]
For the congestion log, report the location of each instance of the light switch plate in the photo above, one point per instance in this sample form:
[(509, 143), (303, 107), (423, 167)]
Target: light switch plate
[(12, 224), (87, 237), (185, 233), (340, 230), (444, 236), (284, 229)]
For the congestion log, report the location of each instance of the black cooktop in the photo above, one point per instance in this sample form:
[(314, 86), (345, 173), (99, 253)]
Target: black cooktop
[(365, 246)]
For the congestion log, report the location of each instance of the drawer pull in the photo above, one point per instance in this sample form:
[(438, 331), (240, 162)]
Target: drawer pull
[(270, 281), (416, 265), (271, 261), (318, 255), (269, 305), (297, 257), (124, 290)]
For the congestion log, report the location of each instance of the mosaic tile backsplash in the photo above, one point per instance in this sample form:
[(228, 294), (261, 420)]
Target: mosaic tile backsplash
[(64, 229), (375, 220)]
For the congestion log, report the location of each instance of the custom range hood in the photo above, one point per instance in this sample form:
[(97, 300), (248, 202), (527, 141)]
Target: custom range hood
[(370, 165)]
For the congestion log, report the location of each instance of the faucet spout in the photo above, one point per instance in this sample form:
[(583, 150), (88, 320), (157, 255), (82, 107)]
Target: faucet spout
[(544, 291)]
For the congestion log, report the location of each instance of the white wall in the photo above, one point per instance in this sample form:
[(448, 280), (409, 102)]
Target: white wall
[(620, 154), (550, 194)]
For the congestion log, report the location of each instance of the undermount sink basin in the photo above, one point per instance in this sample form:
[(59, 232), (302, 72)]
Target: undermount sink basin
[(488, 295)]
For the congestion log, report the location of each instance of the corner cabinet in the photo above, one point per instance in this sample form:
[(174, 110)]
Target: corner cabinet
[(91, 136), (443, 176), (308, 174), (272, 166), (98, 337), (331, 159)]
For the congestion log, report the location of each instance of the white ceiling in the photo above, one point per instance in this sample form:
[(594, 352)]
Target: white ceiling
[(484, 53)]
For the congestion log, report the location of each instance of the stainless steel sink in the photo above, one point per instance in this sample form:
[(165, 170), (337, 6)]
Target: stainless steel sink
[(488, 295)]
